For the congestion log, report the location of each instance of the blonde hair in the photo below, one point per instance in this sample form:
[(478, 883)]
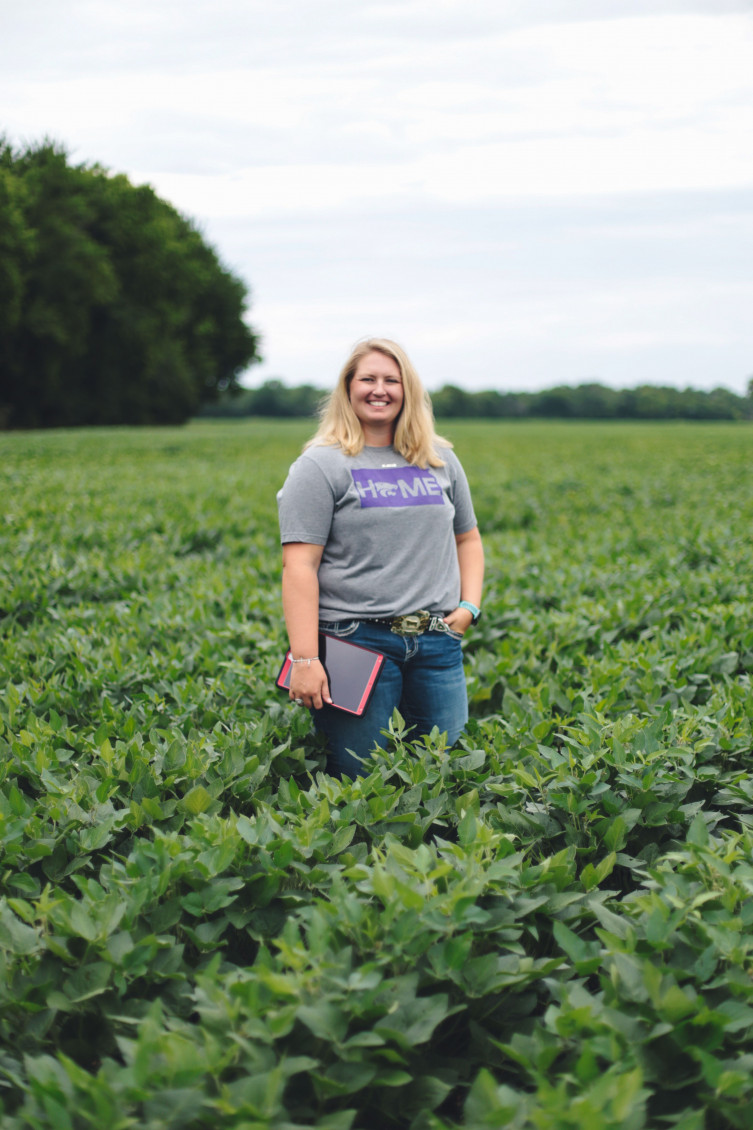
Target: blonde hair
[(415, 438)]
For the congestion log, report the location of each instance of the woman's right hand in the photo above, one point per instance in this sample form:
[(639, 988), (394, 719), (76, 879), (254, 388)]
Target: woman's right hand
[(308, 681)]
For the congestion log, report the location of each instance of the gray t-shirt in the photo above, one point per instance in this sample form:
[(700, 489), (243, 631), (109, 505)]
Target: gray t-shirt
[(388, 529)]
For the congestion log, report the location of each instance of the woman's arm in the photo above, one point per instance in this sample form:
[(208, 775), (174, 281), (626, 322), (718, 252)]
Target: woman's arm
[(471, 561), (300, 605)]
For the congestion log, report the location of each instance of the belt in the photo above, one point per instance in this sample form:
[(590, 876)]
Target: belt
[(413, 622)]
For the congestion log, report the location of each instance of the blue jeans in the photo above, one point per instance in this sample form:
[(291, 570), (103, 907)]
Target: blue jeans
[(422, 676)]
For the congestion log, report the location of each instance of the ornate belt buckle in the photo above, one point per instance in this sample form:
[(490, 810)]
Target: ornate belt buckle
[(411, 624)]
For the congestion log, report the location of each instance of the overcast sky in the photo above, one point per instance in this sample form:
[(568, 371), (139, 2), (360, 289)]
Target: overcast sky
[(522, 192)]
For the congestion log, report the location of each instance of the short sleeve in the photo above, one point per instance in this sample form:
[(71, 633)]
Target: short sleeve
[(465, 517), (306, 504)]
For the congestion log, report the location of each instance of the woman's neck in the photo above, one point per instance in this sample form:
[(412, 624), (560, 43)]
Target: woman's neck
[(378, 437)]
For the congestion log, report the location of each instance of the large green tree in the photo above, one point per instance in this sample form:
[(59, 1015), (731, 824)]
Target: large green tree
[(113, 308)]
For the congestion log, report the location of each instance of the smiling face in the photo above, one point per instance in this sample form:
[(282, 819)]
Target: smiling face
[(376, 396)]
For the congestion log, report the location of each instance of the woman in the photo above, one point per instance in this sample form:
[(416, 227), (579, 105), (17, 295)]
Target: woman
[(377, 525)]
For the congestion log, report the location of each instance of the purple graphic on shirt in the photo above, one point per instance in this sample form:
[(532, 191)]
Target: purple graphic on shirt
[(398, 486)]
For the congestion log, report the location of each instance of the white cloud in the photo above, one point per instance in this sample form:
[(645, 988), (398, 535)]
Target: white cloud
[(643, 160), (469, 176)]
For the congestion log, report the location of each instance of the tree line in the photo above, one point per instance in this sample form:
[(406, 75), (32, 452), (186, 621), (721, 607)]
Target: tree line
[(584, 402), (113, 308)]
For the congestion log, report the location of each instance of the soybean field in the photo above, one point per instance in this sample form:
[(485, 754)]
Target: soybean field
[(547, 927)]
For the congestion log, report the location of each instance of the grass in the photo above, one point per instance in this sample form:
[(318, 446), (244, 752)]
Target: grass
[(547, 927)]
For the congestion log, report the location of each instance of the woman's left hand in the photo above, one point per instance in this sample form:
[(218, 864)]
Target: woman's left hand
[(460, 620)]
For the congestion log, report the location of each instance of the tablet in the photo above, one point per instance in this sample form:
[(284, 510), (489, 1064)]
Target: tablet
[(352, 672)]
